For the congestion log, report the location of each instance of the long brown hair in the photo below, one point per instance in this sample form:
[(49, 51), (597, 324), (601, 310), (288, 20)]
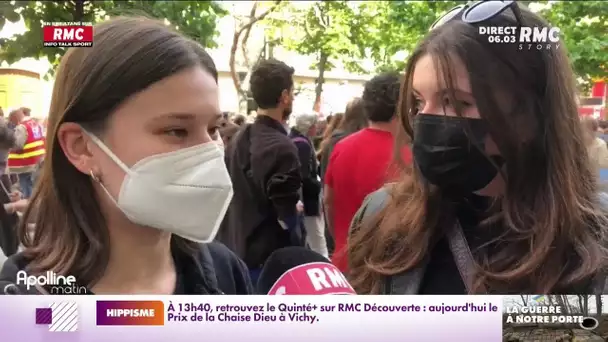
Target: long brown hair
[(129, 55), (555, 236), (333, 125), (354, 120)]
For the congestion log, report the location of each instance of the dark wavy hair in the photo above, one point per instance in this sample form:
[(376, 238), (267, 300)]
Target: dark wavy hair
[(380, 96), (268, 81)]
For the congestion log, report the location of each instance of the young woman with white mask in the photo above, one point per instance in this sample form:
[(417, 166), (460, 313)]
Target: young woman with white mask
[(134, 185)]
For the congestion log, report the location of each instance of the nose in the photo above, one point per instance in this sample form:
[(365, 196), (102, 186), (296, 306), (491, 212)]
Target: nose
[(433, 109)]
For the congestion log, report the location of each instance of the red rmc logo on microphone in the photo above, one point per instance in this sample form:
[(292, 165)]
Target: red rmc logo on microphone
[(317, 278), (67, 35)]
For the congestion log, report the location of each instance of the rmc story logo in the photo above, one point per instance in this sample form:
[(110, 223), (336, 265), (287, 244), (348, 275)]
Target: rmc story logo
[(526, 38), (51, 282)]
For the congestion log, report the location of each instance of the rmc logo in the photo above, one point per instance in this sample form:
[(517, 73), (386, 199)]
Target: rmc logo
[(539, 38)]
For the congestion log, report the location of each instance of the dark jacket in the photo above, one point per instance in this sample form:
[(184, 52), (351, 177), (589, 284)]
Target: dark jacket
[(311, 187), (216, 270), (265, 172), (336, 136), (8, 224)]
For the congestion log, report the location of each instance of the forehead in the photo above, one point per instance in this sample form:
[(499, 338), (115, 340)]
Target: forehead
[(192, 91), (429, 78)]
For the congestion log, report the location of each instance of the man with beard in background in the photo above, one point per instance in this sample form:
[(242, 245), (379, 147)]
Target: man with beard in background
[(265, 171)]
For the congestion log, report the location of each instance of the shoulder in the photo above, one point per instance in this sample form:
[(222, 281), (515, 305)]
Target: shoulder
[(344, 143), (372, 205), (231, 272), (281, 145), (356, 138)]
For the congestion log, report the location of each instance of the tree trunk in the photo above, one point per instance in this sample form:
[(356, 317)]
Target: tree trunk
[(561, 302), (243, 95), (78, 12), (236, 38), (323, 57)]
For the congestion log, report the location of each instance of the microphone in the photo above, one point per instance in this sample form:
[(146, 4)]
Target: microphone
[(300, 271), (9, 288)]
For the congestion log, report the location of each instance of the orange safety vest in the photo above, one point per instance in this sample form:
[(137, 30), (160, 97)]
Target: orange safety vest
[(33, 149)]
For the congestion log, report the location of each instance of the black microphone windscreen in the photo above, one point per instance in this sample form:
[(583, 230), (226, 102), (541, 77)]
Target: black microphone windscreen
[(281, 261)]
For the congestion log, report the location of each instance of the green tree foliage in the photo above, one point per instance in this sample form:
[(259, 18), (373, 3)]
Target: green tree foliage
[(323, 29), (584, 30), (196, 19), (393, 28)]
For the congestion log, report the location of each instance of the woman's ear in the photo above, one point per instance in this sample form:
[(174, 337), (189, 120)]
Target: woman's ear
[(74, 144)]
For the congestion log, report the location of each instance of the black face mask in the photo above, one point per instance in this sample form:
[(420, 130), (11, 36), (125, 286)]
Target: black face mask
[(450, 159)]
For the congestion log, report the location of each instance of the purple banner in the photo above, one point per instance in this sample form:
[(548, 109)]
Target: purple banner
[(250, 318)]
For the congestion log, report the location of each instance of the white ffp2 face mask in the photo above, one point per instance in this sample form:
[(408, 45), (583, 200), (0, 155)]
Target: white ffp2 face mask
[(185, 192)]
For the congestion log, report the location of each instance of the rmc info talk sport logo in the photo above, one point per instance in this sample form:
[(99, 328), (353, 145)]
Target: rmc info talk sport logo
[(59, 317), (525, 38), (67, 34)]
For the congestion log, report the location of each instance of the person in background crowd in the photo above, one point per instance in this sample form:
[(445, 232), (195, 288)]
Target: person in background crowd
[(224, 120), (352, 121), (501, 198), (26, 111), (240, 120), (28, 151), (361, 163), (603, 130), (7, 141), (9, 242), (108, 209), (332, 125), (227, 132), (304, 129), (265, 171), (316, 140), (8, 178), (596, 146)]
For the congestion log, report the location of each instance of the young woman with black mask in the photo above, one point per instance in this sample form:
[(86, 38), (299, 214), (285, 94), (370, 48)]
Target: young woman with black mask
[(501, 197)]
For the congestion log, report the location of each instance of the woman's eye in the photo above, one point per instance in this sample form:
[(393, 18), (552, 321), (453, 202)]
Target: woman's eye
[(177, 132), (461, 104)]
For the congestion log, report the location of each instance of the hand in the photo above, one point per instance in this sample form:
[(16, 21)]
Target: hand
[(300, 207), (15, 196), (20, 206)]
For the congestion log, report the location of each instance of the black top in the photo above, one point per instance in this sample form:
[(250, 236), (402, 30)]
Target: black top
[(442, 275), (265, 172), (9, 243), (311, 186), (215, 270)]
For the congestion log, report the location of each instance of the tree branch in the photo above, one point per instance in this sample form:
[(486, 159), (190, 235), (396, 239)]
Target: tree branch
[(235, 42), (246, 35), (319, 13)]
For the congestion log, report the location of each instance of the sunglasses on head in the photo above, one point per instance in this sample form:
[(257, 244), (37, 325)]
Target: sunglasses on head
[(479, 11)]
